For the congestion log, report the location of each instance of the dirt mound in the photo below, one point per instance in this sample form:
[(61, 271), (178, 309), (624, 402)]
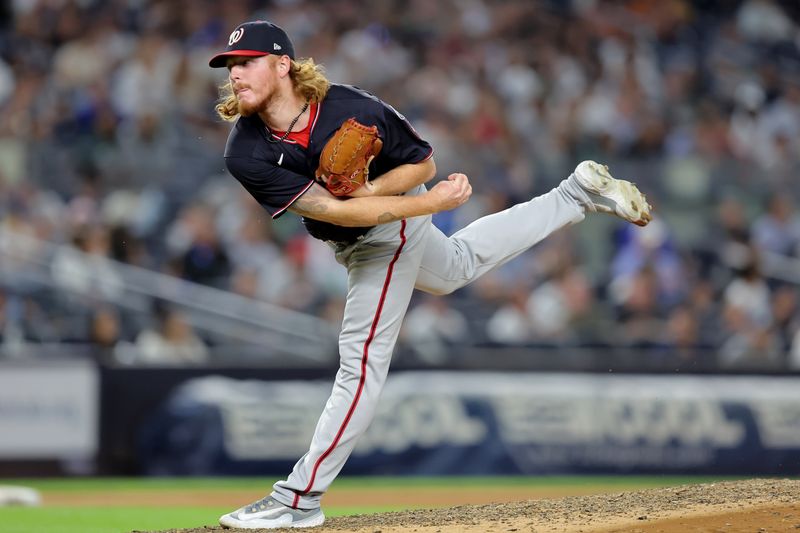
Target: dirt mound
[(753, 506)]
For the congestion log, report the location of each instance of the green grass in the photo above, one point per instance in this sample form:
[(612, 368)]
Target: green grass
[(103, 520), (126, 519), (55, 519)]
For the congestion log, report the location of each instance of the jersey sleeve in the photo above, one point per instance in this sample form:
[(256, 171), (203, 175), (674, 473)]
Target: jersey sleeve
[(275, 188), (401, 142)]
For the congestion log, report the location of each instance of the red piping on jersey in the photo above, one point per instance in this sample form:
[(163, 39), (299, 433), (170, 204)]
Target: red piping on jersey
[(316, 118), (296, 196), (426, 157), (362, 379), (311, 183)]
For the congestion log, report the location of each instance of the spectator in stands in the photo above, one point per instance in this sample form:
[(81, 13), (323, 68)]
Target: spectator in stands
[(794, 353), (6, 332), (785, 314), (258, 262), (641, 317), (105, 333), (751, 340), (432, 327), (84, 269), (200, 255), (705, 310), (778, 229), (749, 346), (652, 248), (683, 340), (556, 306), (100, 128), (764, 21), (749, 293), (172, 342), (510, 324)]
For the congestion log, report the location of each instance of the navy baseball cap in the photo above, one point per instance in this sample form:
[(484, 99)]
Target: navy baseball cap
[(256, 38)]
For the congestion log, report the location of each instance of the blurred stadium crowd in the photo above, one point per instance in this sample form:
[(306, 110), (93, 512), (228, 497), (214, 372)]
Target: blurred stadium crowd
[(109, 147)]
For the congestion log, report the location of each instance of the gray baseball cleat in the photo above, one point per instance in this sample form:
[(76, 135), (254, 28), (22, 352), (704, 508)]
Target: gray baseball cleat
[(268, 513), (610, 195)]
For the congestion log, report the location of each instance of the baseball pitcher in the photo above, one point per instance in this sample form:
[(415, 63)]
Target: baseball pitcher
[(355, 170)]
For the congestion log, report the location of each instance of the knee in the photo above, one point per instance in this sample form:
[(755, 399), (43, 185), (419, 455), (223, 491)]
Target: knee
[(448, 289), (440, 290)]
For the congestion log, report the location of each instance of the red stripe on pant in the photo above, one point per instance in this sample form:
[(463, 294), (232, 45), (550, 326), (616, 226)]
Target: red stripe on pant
[(364, 358)]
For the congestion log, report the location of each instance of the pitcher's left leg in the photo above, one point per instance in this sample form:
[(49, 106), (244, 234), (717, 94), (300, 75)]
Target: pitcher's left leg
[(451, 262)]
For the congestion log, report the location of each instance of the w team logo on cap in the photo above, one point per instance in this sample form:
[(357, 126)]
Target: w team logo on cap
[(235, 36), (254, 39)]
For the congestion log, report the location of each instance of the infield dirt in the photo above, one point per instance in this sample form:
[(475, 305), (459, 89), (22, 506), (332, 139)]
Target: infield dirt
[(735, 506)]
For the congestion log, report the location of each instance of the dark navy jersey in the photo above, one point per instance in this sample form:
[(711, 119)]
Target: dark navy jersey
[(278, 173)]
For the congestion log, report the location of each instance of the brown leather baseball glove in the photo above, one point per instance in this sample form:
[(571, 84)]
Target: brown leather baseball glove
[(344, 162)]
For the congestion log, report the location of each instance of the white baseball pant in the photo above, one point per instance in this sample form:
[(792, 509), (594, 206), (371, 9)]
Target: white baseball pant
[(383, 270)]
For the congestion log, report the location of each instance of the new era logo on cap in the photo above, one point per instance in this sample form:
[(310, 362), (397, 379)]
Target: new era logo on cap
[(257, 38)]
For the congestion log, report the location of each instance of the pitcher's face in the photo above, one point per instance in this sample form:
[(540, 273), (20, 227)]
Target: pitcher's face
[(254, 81)]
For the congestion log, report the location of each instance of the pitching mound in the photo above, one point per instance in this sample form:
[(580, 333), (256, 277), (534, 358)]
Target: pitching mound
[(752, 506)]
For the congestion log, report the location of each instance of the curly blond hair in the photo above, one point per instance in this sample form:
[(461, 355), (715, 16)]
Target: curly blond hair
[(307, 77)]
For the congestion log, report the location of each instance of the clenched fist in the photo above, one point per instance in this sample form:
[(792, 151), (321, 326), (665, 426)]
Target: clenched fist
[(451, 193)]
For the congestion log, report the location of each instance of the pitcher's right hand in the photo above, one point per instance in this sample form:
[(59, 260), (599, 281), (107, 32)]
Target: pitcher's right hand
[(451, 193)]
